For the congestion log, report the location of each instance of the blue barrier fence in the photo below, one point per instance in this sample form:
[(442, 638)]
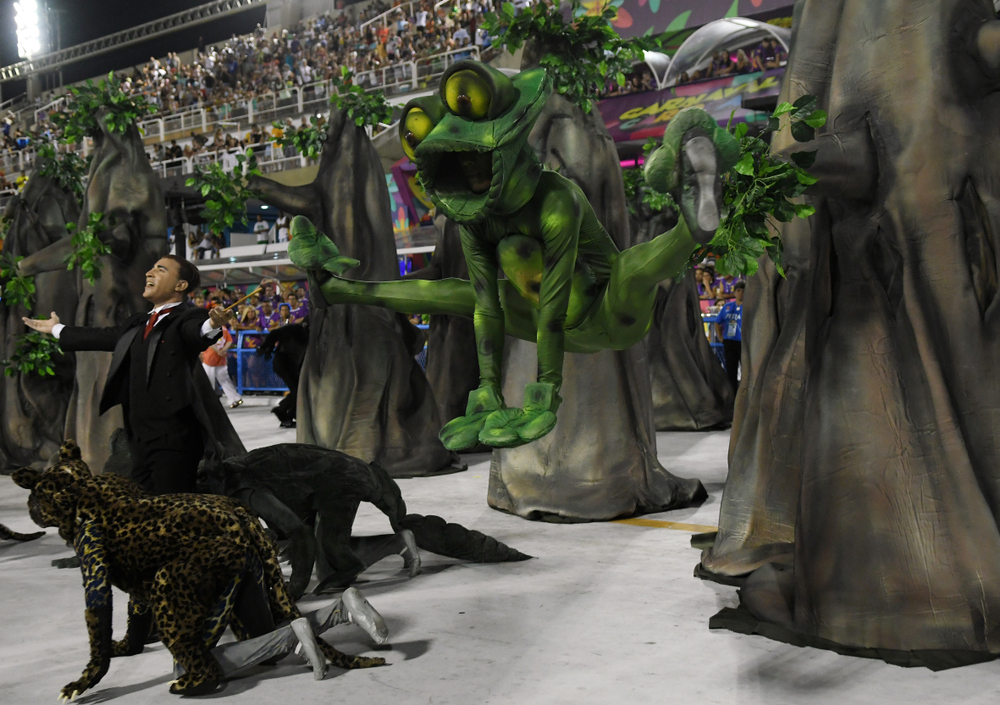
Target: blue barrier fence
[(253, 372), (713, 339)]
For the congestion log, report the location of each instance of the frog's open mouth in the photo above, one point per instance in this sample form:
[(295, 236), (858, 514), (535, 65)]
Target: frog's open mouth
[(460, 172)]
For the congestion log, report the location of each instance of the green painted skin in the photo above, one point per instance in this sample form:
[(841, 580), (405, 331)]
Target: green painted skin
[(567, 286)]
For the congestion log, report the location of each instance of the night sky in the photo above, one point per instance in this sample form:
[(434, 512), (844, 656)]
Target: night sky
[(84, 20)]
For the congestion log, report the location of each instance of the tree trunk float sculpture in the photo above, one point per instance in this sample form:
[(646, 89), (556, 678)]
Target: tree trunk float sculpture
[(689, 386), (361, 390), (452, 367), (121, 185), (865, 451), (34, 408), (599, 462)]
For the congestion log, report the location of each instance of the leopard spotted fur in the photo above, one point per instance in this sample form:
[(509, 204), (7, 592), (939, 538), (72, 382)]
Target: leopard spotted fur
[(179, 558)]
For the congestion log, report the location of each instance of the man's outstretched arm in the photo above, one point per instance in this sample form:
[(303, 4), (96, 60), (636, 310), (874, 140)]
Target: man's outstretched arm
[(77, 338)]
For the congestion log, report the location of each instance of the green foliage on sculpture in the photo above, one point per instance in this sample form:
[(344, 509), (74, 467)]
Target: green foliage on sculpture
[(635, 182), (67, 169), (33, 354), (88, 247), (79, 118), (227, 193), (581, 55), (758, 193), (308, 140), (363, 107), (17, 290)]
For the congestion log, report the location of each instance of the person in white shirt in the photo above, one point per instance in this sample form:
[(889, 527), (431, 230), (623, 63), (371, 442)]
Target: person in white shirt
[(281, 224), (260, 229), (461, 36)]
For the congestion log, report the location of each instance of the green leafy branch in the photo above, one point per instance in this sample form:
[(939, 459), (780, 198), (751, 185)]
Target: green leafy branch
[(635, 183), (227, 193), (17, 290), (66, 169), (758, 192), (33, 354), (307, 140), (364, 107), (581, 55), (79, 118), (88, 247)]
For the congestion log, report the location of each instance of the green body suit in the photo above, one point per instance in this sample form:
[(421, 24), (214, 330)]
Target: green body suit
[(567, 286)]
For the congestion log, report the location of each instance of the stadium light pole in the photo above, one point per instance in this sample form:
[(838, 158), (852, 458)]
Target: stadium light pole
[(29, 35)]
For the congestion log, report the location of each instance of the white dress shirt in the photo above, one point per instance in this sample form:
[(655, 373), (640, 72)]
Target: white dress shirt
[(207, 330)]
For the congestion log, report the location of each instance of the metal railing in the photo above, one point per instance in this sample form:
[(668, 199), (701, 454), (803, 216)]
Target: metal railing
[(432, 67), (271, 158), (383, 18)]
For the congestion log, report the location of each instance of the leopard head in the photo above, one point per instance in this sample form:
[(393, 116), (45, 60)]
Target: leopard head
[(55, 492)]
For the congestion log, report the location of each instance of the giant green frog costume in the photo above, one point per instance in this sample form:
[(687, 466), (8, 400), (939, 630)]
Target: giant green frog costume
[(567, 286)]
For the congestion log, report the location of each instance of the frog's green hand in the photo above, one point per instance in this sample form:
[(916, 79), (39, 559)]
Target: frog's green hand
[(310, 249), (508, 428), (462, 433), (689, 165)]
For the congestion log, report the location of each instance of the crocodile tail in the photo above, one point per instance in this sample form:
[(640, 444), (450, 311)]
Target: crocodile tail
[(436, 535), (6, 533)]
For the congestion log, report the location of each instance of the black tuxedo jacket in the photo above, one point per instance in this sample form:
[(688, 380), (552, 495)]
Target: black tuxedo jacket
[(171, 359)]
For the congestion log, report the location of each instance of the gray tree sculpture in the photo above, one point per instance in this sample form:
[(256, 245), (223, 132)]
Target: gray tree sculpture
[(122, 186), (689, 386), (361, 391), (863, 492), (600, 460), (34, 408)]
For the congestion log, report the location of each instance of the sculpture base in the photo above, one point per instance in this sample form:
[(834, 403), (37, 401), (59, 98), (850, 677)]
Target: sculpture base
[(599, 462), (742, 621)]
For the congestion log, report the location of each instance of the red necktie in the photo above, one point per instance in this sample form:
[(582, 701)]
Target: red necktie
[(150, 323)]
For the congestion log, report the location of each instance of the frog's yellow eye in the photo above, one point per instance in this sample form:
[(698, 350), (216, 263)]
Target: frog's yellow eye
[(468, 95), (416, 127)]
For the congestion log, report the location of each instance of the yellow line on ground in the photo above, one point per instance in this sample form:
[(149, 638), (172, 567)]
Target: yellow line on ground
[(677, 526)]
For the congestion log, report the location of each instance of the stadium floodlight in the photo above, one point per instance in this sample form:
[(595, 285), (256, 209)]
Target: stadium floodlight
[(29, 35)]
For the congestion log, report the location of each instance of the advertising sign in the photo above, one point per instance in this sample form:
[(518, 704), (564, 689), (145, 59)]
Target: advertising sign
[(639, 116)]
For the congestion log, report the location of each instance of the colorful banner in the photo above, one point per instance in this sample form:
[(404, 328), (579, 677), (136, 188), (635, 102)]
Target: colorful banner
[(639, 116), (637, 17)]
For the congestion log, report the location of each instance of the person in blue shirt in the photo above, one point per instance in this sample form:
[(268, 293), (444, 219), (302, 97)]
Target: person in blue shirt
[(729, 326)]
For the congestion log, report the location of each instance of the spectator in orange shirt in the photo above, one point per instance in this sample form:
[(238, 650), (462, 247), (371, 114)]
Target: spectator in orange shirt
[(213, 359)]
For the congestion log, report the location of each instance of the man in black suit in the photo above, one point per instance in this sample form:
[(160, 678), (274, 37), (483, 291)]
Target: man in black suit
[(152, 375)]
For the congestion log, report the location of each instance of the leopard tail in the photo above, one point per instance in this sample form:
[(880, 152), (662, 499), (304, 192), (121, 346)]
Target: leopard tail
[(342, 660), (6, 533)]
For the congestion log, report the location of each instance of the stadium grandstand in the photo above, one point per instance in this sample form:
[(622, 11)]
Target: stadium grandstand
[(236, 74)]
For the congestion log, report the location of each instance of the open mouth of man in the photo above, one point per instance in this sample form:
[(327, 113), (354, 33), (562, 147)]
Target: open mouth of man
[(463, 172)]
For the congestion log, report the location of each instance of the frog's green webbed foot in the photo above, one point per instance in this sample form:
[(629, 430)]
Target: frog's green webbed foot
[(689, 165), (462, 433), (310, 249), (510, 427)]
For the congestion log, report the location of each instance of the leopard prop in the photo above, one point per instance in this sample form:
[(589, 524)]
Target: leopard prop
[(181, 558)]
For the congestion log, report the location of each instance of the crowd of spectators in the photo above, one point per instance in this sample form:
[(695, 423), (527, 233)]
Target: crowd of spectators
[(714, 289), (314, 50), (273, 306), (767, 55)]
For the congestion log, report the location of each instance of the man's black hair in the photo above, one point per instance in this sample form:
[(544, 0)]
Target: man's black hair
[(186, 272), (739, 285)]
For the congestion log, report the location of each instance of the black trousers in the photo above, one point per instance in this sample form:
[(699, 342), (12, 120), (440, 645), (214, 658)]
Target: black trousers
[(732, 349), (168, 464)]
